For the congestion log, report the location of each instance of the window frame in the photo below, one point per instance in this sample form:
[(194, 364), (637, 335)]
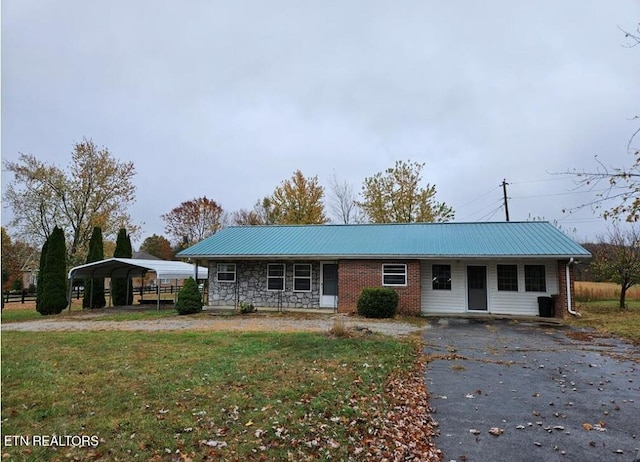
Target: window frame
[(508, 282), (297, 278), (270, 277), (386, 273), (530, 282), (218, 272), (437, 276)]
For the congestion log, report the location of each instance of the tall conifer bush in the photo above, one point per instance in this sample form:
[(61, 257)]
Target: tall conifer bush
[(119, 285), (94, 288), (53, 296), (42, 275)]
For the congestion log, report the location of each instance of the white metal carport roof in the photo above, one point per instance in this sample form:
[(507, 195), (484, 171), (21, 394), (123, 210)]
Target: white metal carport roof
[(132, 267)]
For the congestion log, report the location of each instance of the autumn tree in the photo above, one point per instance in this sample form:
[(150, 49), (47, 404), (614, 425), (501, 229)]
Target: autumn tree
[(16, 256), (96, 189), (94, 287), (617, 259), (52, 297), (194, 220), (158, 246), (263, 213), (122, 288), (298, 200), (396, 196)]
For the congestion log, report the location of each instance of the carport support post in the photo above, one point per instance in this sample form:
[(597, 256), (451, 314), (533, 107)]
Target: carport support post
[(70, 291), (158, 288)]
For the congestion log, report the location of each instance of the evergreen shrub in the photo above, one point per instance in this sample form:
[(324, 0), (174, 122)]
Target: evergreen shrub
[(377, 302), (189, 299)]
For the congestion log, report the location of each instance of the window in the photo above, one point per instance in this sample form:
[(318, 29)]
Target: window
[(394, 275), (508, 278), (226, 272), (302, 277), (535, 279), (441, 277), (275, 276)]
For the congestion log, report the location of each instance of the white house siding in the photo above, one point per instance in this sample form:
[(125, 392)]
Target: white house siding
[(499, 302), (444, 301)]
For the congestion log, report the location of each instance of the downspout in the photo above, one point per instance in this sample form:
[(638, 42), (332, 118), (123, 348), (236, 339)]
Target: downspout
[(568, 284)]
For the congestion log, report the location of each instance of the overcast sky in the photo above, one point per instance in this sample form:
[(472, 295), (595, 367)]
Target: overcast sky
[(227, 99)]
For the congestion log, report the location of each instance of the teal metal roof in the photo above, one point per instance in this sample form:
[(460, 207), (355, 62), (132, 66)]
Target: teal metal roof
[(419, 240)]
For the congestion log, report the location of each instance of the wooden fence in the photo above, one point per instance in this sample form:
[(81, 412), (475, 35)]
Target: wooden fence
[(78, 292)]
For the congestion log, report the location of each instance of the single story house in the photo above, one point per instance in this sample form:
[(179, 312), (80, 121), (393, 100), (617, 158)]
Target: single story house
[(439, 268)]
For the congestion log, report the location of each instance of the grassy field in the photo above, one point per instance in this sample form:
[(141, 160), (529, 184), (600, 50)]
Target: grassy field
[(606, 317), (196, 396), (589, 291)]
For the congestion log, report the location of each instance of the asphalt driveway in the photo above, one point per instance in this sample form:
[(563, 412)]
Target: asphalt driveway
[(514, 391)]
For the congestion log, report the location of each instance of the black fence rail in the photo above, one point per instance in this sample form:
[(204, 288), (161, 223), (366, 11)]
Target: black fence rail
[(78, 292)]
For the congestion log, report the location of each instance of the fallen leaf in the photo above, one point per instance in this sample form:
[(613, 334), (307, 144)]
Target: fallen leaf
[(587, 426), (474, 431), (495, 431)]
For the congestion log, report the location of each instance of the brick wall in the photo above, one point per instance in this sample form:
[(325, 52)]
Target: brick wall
[(561, 310), (355, 275)]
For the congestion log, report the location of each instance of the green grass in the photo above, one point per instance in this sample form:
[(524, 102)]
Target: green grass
[(251, 396), (19, 315), (606, 317)]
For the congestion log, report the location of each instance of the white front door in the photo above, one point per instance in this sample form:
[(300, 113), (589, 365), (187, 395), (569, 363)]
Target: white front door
[(328, 285)]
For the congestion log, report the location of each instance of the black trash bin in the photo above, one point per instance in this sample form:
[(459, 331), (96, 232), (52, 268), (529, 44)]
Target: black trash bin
[(546, 307)]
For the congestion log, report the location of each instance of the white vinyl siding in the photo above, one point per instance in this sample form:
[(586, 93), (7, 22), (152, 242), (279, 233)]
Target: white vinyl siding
[(499, 302), (443, 301), (521, 302)]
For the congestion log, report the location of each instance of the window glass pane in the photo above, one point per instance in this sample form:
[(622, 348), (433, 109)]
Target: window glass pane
[(508, 277), (302, 271), (275, 284), (535, 278), (302, 285), (441, 277)]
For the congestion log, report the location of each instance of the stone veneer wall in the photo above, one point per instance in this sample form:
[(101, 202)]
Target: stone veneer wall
[(251, 284)]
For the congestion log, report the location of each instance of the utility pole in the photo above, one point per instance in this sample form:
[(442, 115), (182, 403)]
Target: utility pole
[(506, 203)]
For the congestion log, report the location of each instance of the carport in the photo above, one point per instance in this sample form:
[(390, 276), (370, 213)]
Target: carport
[(127, 268)]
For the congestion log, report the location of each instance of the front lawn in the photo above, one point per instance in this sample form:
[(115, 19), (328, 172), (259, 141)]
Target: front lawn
[(606, 317), (202, 395)]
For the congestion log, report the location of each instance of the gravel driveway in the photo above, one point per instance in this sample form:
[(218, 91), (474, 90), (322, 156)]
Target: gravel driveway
[(89, 321), (548, 392)]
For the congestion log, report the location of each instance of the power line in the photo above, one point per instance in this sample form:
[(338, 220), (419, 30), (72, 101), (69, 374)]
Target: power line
[(479, 197)]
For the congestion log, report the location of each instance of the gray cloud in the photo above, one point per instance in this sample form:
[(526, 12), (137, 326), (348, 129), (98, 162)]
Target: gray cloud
[(227, 99)]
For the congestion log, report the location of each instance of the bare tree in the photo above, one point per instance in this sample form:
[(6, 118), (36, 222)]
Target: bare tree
[(342, 202), (616, 185)]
